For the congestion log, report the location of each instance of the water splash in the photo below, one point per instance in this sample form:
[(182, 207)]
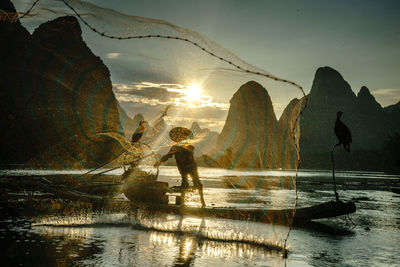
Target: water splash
[(218, 230)]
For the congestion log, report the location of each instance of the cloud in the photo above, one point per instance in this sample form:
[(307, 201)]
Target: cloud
[(142, 100), (392, 92), (112, 55), (207, 117), (150, 99), (212, 124), (164, 93), (387, 96), (148, 91)]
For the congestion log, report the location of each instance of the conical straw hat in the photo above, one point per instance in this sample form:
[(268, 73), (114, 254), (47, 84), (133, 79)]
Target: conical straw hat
[(178, 134)]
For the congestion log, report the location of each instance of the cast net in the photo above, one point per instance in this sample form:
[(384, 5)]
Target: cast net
[(80, 78)]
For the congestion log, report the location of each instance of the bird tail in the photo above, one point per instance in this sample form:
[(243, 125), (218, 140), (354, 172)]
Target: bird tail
[(347, 147)]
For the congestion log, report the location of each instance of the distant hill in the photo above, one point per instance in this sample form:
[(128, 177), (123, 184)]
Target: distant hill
[(250, 128), (56, 99), (252, 137), (393, 112), (370, 124), (128, 125), (56, 96), (207, 139), (156, 134)]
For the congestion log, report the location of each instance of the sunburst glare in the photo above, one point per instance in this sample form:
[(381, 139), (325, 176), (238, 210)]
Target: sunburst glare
[(193, 92)]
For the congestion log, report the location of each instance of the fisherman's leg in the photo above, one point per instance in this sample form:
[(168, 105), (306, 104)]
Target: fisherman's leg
[(196, 182), (183, 194), (184, 187), (185, 182), (200, 189)]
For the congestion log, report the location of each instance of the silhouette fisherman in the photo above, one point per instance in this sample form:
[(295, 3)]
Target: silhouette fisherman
[(184, 156), (343, 133)]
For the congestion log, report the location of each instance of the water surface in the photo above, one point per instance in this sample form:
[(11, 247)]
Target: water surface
[(370, 237)]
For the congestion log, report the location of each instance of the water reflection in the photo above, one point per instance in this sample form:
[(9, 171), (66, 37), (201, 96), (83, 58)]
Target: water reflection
[(140, 239), (113, 245), (187, 244), (259, 182), (125, 245)]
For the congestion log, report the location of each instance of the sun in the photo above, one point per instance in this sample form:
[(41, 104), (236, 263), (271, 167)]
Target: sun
[(193, 92)]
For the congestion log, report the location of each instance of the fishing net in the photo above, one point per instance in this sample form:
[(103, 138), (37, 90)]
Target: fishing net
[(77, 79)]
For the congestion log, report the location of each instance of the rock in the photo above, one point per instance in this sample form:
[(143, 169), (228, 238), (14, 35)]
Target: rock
[(285, 138), (250, 129), (252, 138), (206, 140), (367, 101), (369, 123), (373, 125), (195, 128), (329, 83), (128, 125), (56, 96), (329, 94), (393, 112), (154, 132)]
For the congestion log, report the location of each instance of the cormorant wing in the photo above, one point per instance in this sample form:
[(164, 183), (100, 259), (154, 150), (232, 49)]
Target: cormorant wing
[(342, 132), (350, 139)]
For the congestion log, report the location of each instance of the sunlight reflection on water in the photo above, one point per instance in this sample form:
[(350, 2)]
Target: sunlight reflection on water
[(121, 239), (213, 173)]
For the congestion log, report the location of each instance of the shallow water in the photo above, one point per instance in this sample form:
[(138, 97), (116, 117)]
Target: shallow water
[(371, 237)]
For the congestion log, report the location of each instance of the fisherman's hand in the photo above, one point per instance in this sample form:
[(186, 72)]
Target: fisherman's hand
[(157, 163)]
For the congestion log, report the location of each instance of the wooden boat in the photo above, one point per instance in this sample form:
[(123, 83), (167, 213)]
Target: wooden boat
[(270, 216), (151, 197), (396, 190)]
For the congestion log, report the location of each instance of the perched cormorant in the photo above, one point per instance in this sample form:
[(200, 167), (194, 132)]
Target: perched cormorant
[(342, 132), (139, 131)]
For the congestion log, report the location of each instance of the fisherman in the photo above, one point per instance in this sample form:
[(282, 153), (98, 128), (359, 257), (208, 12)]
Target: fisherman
[(184, 157)]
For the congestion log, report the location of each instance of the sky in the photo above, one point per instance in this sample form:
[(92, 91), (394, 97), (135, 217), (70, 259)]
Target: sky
[(289, 39), (360, 39)]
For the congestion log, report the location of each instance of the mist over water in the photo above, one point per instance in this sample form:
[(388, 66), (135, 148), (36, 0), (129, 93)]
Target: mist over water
[(370, 237)]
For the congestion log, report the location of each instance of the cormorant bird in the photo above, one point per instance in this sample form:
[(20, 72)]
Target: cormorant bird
[(139, 131), (342, 132)]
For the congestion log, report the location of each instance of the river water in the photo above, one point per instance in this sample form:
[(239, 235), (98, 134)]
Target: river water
[(369, 237)]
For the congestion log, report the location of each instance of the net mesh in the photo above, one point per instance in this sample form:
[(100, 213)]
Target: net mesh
[(69, 109)]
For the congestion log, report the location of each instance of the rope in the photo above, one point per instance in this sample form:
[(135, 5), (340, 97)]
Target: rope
[(29, 10), (298, 163), (92, 170), (333, 172)]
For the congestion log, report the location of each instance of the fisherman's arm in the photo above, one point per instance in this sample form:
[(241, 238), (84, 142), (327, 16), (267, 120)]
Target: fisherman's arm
[(167, 156)]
